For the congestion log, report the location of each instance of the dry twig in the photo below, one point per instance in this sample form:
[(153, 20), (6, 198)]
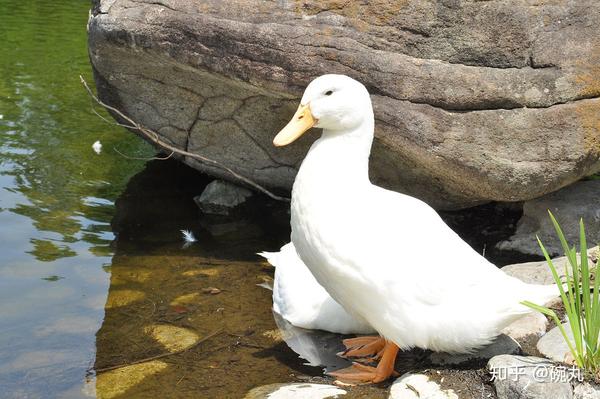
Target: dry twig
[(155, 138)]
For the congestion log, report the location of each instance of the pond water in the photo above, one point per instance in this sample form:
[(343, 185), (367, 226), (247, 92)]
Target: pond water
[(93, 273), (91, 259)]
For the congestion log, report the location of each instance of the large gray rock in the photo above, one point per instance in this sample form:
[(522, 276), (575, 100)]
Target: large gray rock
[(580, 200), (474, 101), (527, 377)]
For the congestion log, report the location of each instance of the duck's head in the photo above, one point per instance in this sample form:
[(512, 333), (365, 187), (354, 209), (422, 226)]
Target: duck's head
[(335, 103)]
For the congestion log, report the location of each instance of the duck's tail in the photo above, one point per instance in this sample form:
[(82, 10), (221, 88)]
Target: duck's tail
[(285, 256)]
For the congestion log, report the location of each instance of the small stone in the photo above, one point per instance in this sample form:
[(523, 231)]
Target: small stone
[(587, 390), (118, 298), (114, 383), (222, 198), (503, 344), (553, 345), (527, 377), (533, 323), (171, 337), (295, 391), (415, 386), (211, 290)]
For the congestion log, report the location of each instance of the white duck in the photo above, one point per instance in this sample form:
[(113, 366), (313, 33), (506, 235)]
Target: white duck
[(300, 300), (370, 248)]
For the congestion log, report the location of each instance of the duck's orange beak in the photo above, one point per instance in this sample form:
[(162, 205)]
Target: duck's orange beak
[(300, 123)]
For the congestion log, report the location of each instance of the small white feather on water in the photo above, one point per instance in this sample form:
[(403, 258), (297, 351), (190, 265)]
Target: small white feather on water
[(97, 147), (188, 237), (1, 116)]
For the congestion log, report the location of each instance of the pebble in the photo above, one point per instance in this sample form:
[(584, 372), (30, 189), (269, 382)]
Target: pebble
[(295, 391), (415, 386)]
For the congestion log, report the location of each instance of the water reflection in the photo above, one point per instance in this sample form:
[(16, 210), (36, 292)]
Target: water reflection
[(56, 200)]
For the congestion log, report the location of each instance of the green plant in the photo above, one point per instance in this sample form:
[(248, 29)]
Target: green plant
[(580, 297)]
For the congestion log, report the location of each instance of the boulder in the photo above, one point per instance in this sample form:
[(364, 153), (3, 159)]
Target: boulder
[(578, 201), (472, 99)]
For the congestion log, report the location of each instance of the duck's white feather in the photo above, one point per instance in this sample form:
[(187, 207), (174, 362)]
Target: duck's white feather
[(300, 300), (389, 258)]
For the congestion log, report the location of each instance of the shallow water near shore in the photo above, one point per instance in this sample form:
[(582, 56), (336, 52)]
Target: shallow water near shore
[(98, 294)]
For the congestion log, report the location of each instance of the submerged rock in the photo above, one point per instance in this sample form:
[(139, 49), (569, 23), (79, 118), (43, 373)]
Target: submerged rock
[(527, 377), (114, 383), (172, 337), (295, 391), (415, 386), (578, 201), (222, 198), (221, 81)]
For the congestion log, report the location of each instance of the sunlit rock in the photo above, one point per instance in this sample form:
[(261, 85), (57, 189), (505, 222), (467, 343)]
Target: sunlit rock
[(295, 391), (113, 383), (414, 386), (123, 297), (171, 337)]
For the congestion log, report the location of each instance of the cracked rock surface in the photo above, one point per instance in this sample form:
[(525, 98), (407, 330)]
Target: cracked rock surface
[(474, 101)]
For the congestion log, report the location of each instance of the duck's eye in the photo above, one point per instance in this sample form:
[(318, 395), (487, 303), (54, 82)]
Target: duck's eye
[(328, 93)]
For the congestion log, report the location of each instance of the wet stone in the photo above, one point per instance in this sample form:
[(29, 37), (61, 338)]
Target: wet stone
[(171, 337), (503, 344), (118, 298), (553, 345), (414, 386), (222, 198), (526, 377), (295, 391), (114, 383)]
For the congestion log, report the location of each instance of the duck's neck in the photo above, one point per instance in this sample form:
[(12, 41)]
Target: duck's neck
[(341, 157)]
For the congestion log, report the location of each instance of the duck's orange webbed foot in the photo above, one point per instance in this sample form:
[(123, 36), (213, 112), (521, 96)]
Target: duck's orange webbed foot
[(361, 374), (363, 347)]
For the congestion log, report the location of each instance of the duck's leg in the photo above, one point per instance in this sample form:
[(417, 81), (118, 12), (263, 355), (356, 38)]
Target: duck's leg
[(363, 346), (358, 373)]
